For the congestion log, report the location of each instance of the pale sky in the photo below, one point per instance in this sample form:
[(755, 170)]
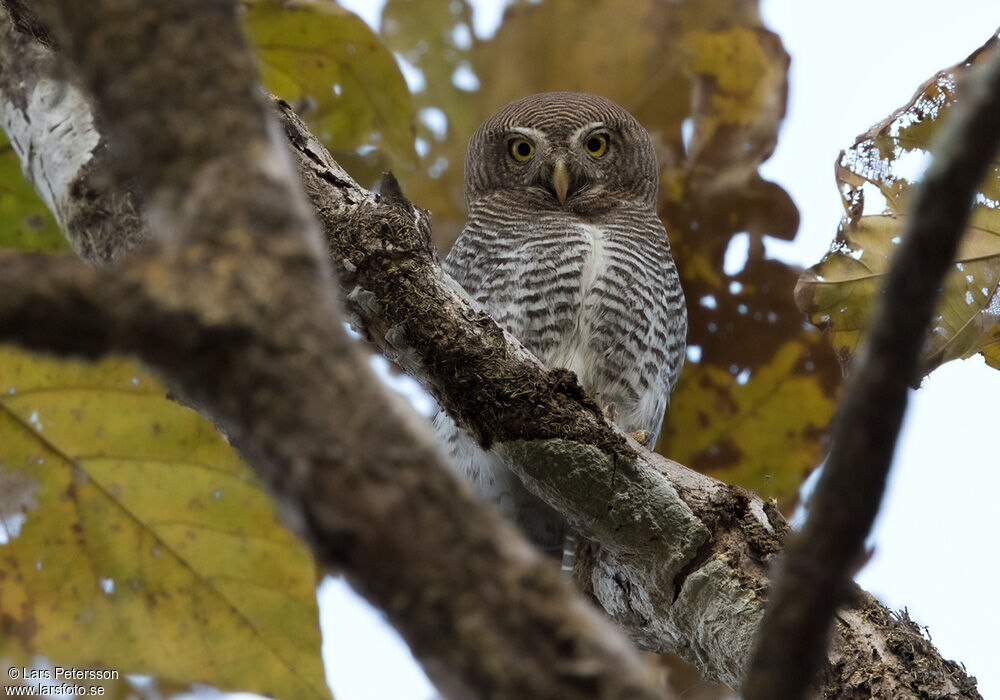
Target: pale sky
[(853, 62)]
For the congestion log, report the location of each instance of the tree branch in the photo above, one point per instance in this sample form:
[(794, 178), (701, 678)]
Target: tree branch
[(678, 559), (812, 581), (235, 304)]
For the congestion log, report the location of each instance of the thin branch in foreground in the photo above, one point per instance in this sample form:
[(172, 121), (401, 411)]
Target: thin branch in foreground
[(812, 578)]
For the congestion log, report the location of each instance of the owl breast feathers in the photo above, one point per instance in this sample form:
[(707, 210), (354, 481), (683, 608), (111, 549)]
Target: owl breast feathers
[(563, 247)]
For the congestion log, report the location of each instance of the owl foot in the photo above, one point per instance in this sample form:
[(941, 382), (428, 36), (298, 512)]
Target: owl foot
[(611, 412), (640, 436)]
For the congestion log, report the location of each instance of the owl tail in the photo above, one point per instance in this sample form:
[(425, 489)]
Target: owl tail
[(569, 552)]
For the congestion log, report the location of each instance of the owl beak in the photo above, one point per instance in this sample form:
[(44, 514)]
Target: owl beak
[(560, 180)]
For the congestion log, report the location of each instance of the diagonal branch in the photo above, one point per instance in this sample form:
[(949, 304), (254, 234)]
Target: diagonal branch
[(677, 559), (811, 582)]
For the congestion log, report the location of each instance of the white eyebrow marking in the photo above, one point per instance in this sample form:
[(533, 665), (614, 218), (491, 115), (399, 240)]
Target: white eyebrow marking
[(586, 127), (536, 134)]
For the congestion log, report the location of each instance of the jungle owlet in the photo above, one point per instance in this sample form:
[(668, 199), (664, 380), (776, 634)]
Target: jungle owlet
[(563, 247)]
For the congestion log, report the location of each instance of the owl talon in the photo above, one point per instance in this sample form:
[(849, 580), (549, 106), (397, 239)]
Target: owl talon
[(640, 436), (611, 412)]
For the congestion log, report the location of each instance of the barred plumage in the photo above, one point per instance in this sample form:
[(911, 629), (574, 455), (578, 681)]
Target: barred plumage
[(565, 250)]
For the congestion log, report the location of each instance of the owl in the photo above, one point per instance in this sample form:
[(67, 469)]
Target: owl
[(564, 249)]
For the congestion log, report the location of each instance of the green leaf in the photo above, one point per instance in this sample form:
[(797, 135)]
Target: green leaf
[(337, 73), (25, 221), (876, 177), (136, 540)]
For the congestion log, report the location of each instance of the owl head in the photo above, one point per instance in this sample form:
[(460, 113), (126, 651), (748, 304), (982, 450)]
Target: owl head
[(563, 150)]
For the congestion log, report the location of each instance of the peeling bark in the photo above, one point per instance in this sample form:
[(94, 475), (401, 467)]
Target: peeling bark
[(51, 127), (677, 559)]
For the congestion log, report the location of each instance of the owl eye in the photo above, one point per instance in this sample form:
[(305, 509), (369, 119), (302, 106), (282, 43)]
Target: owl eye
[(596, 145), (521, 149)]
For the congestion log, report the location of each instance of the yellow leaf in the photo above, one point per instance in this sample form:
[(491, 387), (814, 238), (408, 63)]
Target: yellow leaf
[(735, 60), (335, 70), (748, 427), (25, 221), (876, 177), (136, 540)]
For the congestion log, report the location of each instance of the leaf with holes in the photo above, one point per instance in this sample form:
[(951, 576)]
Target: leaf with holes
[(335, 71), (133, 538), (876, 177)]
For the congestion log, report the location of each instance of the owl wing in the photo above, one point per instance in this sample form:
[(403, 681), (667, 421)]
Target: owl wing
[(658, 339), (490, 272)]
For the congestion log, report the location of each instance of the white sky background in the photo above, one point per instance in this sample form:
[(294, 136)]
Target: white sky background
[(936, 551)]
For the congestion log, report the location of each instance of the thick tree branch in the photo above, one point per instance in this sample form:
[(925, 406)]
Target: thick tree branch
[(812, 580), (678, 559), (236, 306), (63, 305)]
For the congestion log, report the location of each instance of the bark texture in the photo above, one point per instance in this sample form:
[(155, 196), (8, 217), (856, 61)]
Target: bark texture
[(677, 559)]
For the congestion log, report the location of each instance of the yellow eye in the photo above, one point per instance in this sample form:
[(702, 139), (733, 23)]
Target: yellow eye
[(596, 145), (521, 149)]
